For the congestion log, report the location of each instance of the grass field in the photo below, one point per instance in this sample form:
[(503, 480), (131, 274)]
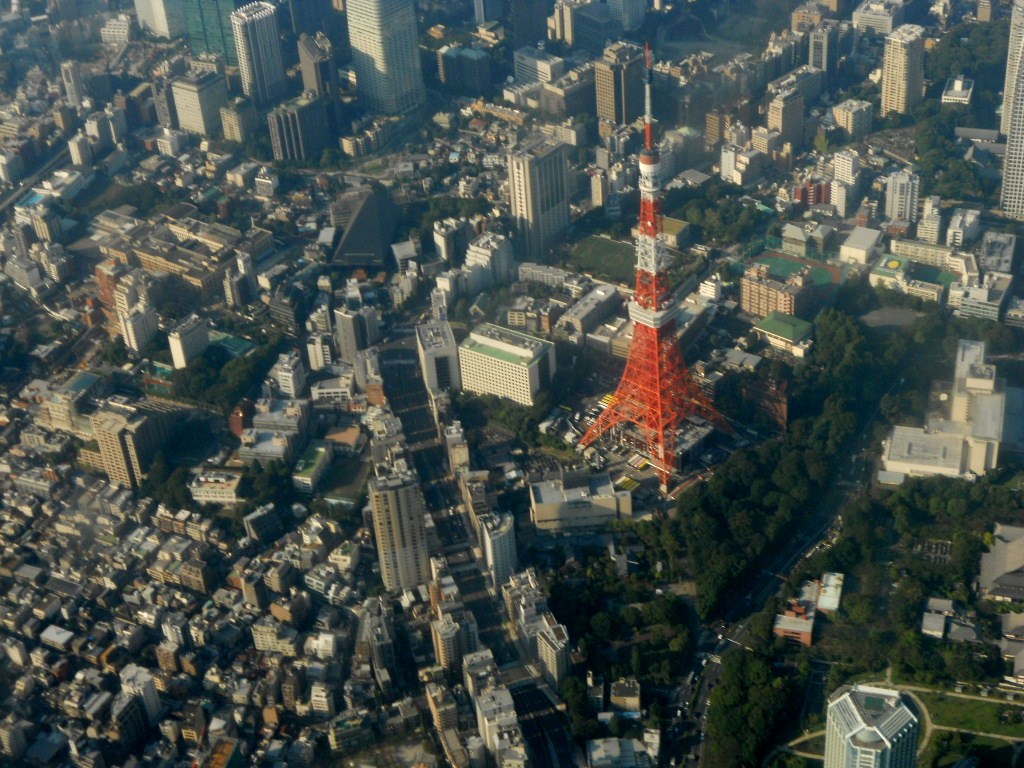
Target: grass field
[(782, 267), (993, 753), (984, 716), (934, 275), (604, 259)]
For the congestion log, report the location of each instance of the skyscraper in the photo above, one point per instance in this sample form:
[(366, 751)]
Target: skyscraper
[(1012, 194), (163, 18), (208, 23), (628, 13), (71, 74), (298, 128), (385, 54), (398, 527), (259, 51), (538, 186), (320, 71), (870, 728), (1012, 65), (619, 80), (903, 70)]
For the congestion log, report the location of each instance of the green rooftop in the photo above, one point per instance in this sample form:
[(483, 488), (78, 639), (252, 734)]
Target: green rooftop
[(497, 354), (311, 458), (790, 328)]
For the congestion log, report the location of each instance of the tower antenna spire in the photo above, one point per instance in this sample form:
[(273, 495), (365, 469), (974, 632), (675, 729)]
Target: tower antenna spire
[(648, 119)]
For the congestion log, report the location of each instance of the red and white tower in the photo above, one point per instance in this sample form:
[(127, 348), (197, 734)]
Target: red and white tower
[(656, 393)]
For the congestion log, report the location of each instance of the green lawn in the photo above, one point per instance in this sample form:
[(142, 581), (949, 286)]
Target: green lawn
[(604, 259), (943, 753), (993, 716)]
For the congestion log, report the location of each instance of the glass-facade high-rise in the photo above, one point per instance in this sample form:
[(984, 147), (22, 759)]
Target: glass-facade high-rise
[(385, 54), (208, 23)]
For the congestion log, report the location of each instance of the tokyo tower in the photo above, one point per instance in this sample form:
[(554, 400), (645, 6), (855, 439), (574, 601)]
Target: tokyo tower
[(656, 393)]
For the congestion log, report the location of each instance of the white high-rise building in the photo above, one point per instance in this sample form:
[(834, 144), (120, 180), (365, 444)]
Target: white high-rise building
[(259, 51), (901, 194), (1013, 55), (870, 727), (385, 54), (138, 681), (903, 70), (498, 536), (163, 18), (490, 255), (396, 502), (71, 74), (629, 13), (288, 375), (188, 340), (538, 187), (846, 167), (439, 356), (1012, 194)]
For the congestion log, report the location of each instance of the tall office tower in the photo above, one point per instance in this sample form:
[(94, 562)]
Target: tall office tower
[(1011, 197), (81, 149), (628, 13), (320, 71), (259, 51), (903, 70), (397, 505), (355, 330), (823, 47), (197, 102), (298, 129), (163, 103), (71, 74), (239, 119), (530, 21), (786, 115), (656, 394), (1013, 56), (163, 18), (486, 10), (619, 79), (439, 356), (870, 727), (138, 681), (208, 23), (901, 194), (385, 54), (538, 186)]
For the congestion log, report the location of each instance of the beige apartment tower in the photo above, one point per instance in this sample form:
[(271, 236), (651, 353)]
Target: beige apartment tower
[(396, 502), (903, 70)]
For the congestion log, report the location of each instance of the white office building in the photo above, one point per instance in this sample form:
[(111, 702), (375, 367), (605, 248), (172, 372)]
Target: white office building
[(498, 537), (901, 195), (385, 54), (161, 18), (188, 340), (870, 727), (497, 361), (439, 356)]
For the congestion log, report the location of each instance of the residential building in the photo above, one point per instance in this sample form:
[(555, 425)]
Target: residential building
[(505, 363), (288, 375), (761, 294), (879, 17), (538, 187), (385, 54), (1015, 51), (239, 120), (188, 340), (489, 262), (870, 727), (127, 440), (619, 78), (398, 509), (257, 43), (903, 70), (786, 115), (298, 129), (74, 89), (854, 117), (901, 196)]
